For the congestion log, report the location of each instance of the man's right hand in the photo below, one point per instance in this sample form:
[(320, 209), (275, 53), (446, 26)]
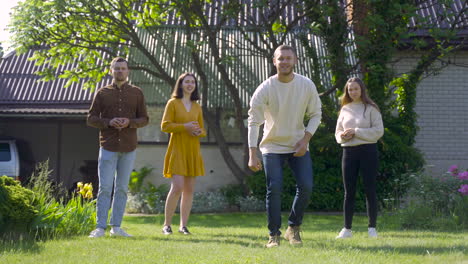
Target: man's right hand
[(254, 163), (115, 123)]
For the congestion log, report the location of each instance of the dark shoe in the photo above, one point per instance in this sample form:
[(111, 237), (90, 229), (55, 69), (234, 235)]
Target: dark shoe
[(293, 235), (184, 231), (274, 241), (167, 230)]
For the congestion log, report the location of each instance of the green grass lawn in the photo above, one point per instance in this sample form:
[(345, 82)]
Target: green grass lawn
[(240, 238)]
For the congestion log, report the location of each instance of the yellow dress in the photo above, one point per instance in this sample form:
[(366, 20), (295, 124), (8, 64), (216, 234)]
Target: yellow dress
[(183, 156)]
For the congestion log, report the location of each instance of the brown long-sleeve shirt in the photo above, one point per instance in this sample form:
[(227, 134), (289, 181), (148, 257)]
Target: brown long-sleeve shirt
[(110, 102)]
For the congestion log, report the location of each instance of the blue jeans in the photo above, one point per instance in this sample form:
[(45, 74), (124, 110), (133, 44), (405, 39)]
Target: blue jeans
[(302, 171), (114, 170)]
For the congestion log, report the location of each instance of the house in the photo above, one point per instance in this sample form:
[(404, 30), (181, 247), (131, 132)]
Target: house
[(49, 123), (52, 118), (48, 120), (441, 98)]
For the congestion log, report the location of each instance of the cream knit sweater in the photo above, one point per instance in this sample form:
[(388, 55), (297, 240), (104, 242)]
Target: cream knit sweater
[(283, 107), (368, 127)]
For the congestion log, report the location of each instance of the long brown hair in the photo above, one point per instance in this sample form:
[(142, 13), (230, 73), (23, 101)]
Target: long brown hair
[(346, 99), (177, 92)]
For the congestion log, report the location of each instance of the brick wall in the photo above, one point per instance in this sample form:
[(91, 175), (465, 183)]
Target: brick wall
[(442, 108)]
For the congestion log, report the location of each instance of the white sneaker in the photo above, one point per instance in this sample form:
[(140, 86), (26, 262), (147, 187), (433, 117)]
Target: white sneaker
[(372, 232), (117, 231), (98, 232), (345, 233)]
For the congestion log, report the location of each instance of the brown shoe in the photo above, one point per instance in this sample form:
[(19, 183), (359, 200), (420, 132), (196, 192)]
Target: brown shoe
[(274, 241), (293, 235)]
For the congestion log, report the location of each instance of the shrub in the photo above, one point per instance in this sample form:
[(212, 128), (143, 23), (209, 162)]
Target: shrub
[(209, 202), (79, 216), (151, 199), (17, 207), (395, 158), (251, 204), (232, 193), (137, 178), (37, 211), (56, 217), (435, 201), (136, 204), (156, 197), (327, 193)]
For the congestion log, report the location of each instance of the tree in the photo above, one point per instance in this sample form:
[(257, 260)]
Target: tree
[(380, 29), (91, 33), (1, 52), (277, 29)]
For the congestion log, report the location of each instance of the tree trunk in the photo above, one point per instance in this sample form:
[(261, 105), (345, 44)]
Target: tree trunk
[(357, 12), (212, 120)]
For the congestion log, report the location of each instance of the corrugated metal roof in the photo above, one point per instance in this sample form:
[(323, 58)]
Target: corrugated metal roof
[(433, 12), (19, 84), (43, 111), (436, 13), (251, 12), (246, 68)]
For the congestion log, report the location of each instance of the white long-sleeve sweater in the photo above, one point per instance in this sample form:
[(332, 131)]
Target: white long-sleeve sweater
[(368, 127), (283, 107)]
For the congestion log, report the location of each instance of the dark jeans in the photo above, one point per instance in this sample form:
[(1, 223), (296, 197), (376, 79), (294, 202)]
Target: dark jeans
[(302, 171), (363, 158)]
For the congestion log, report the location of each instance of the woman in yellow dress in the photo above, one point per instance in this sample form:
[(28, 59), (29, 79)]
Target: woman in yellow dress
[(183, 119)]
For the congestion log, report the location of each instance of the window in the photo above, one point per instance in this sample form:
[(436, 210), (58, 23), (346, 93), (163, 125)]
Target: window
[(5, 152)]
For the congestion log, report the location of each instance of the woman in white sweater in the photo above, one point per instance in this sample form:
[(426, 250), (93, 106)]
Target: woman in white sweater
[(358, 128)]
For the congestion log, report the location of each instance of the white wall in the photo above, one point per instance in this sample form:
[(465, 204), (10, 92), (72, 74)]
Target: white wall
[(217, 172)]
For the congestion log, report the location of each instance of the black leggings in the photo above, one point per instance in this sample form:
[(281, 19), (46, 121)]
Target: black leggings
[(362, 158)]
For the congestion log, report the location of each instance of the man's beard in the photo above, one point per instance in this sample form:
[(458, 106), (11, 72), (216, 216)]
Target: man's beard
[(287, 73), (120, 78)]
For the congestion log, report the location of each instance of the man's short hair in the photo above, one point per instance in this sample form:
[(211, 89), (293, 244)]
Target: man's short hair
[(285, 47), (117, 59)]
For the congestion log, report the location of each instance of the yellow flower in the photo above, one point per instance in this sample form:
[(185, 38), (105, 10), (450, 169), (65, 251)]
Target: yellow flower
[(79, 185), (89, 194)]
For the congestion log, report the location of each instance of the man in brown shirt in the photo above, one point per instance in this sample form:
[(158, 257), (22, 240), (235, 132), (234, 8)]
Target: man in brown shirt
[(117, 110)]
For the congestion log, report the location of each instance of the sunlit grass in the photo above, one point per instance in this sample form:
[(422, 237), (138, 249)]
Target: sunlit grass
[(240, 238)]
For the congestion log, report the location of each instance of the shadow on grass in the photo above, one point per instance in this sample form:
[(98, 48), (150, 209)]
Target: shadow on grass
[(18, 243), (314, 222), (252, 242), (408, 250), (219, 224), (422, 234), (205, 220)]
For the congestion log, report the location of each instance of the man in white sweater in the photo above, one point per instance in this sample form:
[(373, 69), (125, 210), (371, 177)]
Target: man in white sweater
[(281, 103)]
